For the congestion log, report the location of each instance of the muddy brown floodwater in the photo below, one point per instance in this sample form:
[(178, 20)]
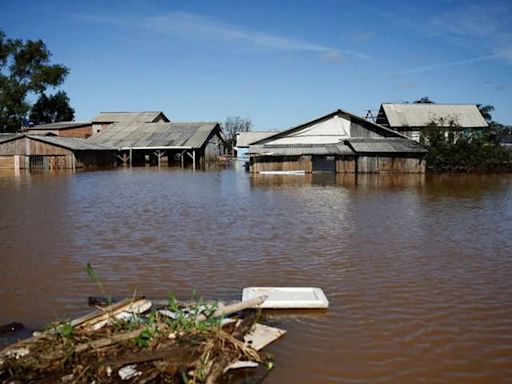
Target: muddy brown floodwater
[(418, 270)]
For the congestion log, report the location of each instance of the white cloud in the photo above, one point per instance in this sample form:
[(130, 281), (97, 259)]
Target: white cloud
[(193, 26), (482, 27)]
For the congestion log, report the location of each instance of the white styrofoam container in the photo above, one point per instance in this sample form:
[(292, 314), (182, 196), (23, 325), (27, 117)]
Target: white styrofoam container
[(287, 297)]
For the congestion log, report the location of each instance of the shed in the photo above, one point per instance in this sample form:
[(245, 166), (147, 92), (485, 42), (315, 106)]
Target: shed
[(64, 129), (106, 119), (411, 119), (23, 151), (338, 142), (195, 143)]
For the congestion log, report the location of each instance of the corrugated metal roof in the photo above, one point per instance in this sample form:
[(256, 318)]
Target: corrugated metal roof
[(420, 115), (385, 145), (9, 136), (137, 135), (244, 139), (72, 143), (117, 117), (59, 125), (300, 149)]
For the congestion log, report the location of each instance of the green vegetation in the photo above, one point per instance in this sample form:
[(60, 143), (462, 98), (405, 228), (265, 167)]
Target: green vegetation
[(25, 70), (52, 109), (453, 149)]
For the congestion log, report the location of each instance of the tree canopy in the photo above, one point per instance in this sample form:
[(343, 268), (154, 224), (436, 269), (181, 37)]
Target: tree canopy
[(454, 149), (424, 100), (25, 70), (232, 126), (52, 109)]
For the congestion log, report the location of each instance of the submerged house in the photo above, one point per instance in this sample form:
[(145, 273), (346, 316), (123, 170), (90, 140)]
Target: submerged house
[(338, 142), (24, 151), (64, 129), (197, 144), (411, 119)]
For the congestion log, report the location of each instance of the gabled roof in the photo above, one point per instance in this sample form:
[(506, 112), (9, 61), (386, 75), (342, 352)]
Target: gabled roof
[(128, 117), (420, 115), (244, 139), (379, 129), (155, 135), (59, 125)]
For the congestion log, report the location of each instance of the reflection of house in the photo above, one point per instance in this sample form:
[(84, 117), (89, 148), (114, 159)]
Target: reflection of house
[(244, 139), (64, 129), (411, 119), (338, 142), (197, 144), (22, 151), (105, 119)]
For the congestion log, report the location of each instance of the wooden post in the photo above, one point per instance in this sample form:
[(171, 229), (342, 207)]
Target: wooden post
[(159, 155), (130, 157), (183, 158), (193, 157)]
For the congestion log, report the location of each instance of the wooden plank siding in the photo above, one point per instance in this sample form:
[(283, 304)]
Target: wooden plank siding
[(79, 132), (344, 164), (41, 155), (284, 163), (6, 162), (384, 164)]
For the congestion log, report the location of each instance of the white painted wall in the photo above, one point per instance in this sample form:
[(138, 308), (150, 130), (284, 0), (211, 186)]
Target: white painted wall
[(326, 132)]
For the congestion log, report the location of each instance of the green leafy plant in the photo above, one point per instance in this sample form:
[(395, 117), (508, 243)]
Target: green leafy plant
[(144, 338)]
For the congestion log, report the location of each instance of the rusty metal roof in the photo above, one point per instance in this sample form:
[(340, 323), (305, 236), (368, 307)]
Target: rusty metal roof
[(420, 115)]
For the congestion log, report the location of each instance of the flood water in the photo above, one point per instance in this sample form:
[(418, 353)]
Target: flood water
[(417, 269)]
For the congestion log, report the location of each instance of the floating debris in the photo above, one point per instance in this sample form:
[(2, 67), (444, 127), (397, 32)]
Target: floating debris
[(196, 343), (139, 340)]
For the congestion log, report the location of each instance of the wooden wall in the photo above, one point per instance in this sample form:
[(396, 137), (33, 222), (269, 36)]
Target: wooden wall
[(6, 162), (80, 132), (381, 164), (361, 164), (346, 165), (285, 163)]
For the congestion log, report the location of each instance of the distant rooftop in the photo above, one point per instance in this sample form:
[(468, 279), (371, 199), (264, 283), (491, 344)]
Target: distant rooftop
[(125, 117), (420, 115)]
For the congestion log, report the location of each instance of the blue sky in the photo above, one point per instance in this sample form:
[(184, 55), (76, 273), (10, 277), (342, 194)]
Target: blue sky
[(279, 63)]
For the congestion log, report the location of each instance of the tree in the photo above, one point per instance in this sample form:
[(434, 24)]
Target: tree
[(486, 110), (424, 100), (453, 149), (52, 109), (25, 69), (232, 126)]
